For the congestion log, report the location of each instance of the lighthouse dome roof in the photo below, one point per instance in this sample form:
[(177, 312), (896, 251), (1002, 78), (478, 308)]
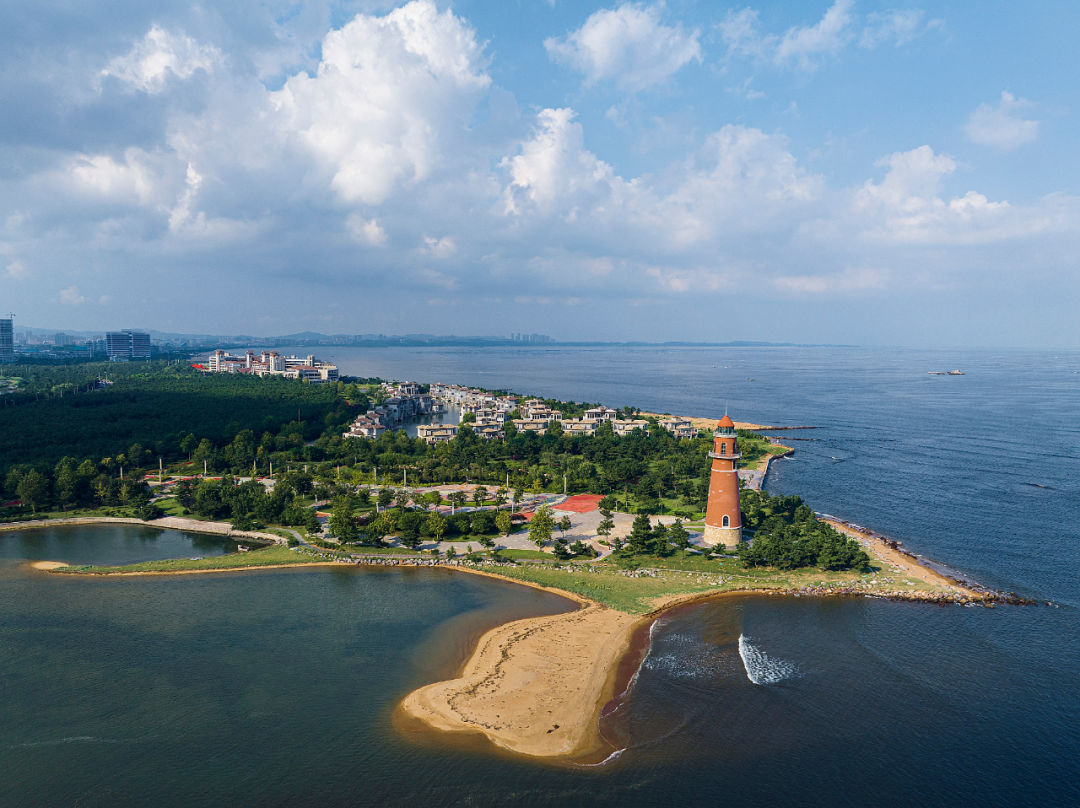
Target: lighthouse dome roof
[(726, 421)]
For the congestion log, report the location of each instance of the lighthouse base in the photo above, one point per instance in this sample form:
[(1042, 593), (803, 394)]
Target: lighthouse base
[(727, 536)]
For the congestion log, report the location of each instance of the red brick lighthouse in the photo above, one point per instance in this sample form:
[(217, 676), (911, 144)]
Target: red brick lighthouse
[(723, 525)]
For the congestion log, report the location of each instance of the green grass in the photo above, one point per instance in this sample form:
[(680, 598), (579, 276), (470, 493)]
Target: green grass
[(526, 554), (359, 549), (609, 585), (275, 555)]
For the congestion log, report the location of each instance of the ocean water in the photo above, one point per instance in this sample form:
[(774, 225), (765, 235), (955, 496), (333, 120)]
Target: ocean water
[(278, 687)]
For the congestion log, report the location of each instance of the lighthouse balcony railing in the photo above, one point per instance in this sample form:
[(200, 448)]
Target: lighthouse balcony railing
[(735, 456)]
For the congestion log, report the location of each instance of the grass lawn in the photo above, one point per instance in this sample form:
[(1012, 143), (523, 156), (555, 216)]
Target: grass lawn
[(526, 554), (358, 549), (272, 556)]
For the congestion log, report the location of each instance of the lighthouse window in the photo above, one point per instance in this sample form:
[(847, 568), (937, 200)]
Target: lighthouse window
[(723, 448), (727, 521)]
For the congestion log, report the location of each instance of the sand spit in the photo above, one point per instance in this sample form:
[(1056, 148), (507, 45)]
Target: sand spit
[(534, 686), (48, 565), (710, 423), (878, 546)]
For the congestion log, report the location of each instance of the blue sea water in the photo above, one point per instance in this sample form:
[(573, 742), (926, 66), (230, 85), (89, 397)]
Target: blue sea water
[(278, 688)]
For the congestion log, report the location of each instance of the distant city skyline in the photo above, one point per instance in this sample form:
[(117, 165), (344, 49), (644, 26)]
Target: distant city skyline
[(846, 171)]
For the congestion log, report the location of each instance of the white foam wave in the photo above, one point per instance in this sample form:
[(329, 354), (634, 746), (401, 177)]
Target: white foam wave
[(762, 669), (609, 759), (63, 741)]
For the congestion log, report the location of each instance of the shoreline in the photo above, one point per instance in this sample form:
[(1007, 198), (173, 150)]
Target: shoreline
[(164, 523)]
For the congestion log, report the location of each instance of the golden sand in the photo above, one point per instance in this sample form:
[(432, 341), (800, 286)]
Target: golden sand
[(534, 686), (48, 565)]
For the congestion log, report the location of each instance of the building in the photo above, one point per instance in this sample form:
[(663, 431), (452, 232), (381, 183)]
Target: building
[(436, 433), (126, 345), (679, 427), (620, 427), (7, 340), (723, 522), (601, 414), (272, 363)]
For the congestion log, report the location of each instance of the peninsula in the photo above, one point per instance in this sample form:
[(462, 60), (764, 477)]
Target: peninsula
[(625, 513)]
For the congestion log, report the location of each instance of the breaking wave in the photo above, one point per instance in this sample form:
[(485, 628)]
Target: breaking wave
[(762, 669)]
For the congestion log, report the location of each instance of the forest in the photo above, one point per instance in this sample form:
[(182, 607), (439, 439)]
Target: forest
[(231, 424)]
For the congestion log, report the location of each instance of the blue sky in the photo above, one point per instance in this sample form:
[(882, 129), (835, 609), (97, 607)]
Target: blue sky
[(846, 171)]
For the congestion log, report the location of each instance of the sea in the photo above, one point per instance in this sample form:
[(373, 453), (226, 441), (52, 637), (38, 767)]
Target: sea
[(278, 687)]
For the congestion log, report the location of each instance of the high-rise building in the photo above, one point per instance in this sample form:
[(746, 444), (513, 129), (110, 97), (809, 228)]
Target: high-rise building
[(7, 341), (123, 346)]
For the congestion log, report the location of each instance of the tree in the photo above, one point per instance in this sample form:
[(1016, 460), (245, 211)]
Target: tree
[(607, 523), (637, 543), (540, 526), (382, 525), (33, 489), (342, 523), (386, 496), (678, 535), (564, 525), (479, 496), (504, 523), (457, 499), (185, 492), (65, 482), (607, 505), (500, 497), (436, 525)]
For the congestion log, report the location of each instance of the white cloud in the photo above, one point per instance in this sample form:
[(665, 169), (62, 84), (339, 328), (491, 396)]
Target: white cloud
[(896, 26), (554, 169), (692, 280), (159, 55), (850, 280), (385, 95), (366, 231), (907, 206), (804, 44), (439, 247), (16, 270), (627, 45), (1002, 126), (141, 177), (71, 296)]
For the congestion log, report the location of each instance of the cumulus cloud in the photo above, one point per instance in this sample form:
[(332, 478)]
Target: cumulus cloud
[(897, 27), (160, 55), (627, 45), (850, 280), (803, 45), (554, 168), (1002, 126), (16, 269), (385, 92), (906, 206), (366, 231), (439, 247), (71, 296), (806, 46)]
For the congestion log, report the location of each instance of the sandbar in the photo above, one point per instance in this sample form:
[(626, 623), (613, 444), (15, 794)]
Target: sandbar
[(534, 686), (48, 565)]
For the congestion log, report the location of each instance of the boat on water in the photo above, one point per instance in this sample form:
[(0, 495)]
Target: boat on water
[(946, 372), (955, 373)]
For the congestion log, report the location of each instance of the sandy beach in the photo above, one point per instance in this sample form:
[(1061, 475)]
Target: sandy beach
[(534, 686), (48, 565), (704, 423), (912, 568)]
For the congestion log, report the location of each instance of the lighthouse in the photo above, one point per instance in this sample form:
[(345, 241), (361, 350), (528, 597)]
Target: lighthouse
[(723, 525)]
